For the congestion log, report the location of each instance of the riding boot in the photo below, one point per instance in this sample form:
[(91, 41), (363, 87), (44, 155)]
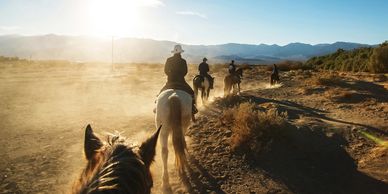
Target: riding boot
[(211, 83)]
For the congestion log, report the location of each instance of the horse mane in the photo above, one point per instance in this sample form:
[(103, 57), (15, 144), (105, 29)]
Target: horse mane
[(116, 168)]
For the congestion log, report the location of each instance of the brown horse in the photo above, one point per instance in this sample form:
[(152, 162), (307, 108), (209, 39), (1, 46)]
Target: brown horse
[(233, 81), (115, 166), (274, 79), (201, 83)]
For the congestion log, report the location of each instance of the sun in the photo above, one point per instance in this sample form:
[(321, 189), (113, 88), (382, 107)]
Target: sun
[(114, 17)]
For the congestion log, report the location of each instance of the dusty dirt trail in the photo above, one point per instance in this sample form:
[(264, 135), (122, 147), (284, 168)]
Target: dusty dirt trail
[(44, 110)]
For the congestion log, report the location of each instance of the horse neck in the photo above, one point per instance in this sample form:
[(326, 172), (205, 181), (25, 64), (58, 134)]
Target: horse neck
[(110, 165)]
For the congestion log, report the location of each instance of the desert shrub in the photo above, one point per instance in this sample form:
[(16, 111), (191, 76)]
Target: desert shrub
[(253, 130), (378, 62), (325, 80), (229, 101)]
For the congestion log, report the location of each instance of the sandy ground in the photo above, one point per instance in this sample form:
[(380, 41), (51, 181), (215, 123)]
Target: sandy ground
[(44, 110)]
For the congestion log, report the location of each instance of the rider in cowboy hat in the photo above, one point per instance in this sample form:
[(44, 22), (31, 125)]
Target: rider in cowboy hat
[(176, 70), (203, 71)]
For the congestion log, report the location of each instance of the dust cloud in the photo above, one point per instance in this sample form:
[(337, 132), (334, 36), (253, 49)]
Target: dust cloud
[(46, 106)]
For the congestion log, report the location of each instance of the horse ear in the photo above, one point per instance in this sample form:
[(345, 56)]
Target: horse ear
[(92, 143), (147, 148)]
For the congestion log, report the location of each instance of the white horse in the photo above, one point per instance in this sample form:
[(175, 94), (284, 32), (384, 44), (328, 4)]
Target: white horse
[(202, 84), (173, 111)]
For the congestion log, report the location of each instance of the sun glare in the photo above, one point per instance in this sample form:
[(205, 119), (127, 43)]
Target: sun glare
[(114, 17)]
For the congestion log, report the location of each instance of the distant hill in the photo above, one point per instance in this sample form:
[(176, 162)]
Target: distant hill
[(83, 48)]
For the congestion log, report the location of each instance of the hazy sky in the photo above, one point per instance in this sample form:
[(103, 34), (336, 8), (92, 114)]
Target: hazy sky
[(203, 21)]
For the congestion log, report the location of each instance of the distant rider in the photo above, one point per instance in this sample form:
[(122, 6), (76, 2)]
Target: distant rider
[(203, 69), (275, 70), (232, 68), (176, 70), (274, 75)]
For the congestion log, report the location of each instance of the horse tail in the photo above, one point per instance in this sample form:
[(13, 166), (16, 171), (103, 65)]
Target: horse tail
[(178, 138)]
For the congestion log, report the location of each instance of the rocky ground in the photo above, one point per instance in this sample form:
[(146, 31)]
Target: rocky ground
[(335, 144)]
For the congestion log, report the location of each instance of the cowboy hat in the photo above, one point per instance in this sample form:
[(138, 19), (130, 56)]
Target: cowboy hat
[(177, 49)]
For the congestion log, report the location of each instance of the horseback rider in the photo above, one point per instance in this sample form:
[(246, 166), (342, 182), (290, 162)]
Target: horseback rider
[(232, 68), (203, 69), (275, 69), (176, 70), (233, 73), (274, 75), (275, 72)]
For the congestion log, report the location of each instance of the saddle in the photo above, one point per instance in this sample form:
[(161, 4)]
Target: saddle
[(176, 86), (199, 78)]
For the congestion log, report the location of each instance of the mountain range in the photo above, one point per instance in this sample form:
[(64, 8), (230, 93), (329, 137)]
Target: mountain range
[(84, 48)]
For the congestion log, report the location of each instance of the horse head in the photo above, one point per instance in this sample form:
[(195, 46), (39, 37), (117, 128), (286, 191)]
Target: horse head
[(115, 166)]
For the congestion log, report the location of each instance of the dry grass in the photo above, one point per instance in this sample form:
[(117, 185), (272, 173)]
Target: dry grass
[(340, 95), (254, 130), (229, 101), (325, 80)]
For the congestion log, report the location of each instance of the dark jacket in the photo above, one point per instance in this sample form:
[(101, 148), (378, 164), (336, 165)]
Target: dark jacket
[(203, 68), (176, 69)]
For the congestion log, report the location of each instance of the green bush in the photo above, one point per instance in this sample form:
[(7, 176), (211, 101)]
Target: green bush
[(378, 62), (356, 60)]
